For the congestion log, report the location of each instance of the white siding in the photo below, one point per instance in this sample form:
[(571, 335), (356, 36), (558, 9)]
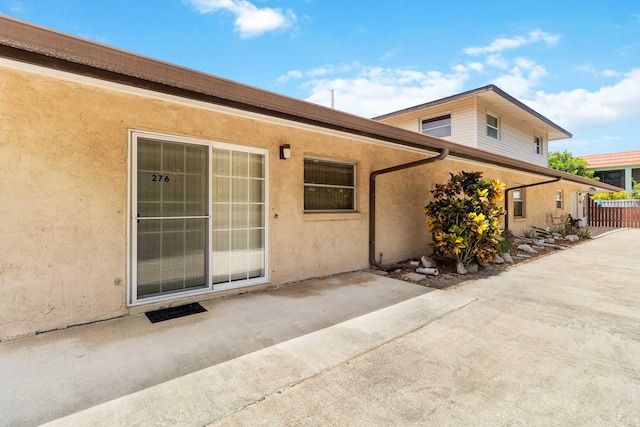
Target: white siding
[(469, 127), (515, 137), (462, 120)]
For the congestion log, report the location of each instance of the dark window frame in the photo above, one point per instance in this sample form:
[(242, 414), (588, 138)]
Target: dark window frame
[(323, 196), (433, 131)]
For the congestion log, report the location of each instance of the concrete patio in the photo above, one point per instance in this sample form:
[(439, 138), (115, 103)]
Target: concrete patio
[(552, 342)]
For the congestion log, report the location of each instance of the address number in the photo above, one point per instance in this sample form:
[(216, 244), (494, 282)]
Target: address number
[(160, 178)]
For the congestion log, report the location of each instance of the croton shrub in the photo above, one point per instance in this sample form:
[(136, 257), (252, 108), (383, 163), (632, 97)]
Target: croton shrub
[(464, 217)]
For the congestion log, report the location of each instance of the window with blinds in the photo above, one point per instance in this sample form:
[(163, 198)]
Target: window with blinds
[(329, 186)]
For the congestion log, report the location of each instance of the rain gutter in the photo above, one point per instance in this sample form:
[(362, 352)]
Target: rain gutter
[(506, 196), (372, 205)]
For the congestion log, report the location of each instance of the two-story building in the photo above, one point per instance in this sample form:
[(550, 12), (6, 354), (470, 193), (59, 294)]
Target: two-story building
[(489, 119), (618, 169), (486, 118)]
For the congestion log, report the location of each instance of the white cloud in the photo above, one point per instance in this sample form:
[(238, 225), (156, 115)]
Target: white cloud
[(609, 73), (497, 61), (514, 84), (17, 7), (501, 44), (520, 79), (250, 20), (587, 68), (320, 71), (476, 66), (389, 54), (293, 74), (520, 75), (581, 109), (590, 69), (372, 91)]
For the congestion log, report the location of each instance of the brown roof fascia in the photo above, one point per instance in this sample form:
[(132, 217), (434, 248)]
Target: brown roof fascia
[(25, 42)]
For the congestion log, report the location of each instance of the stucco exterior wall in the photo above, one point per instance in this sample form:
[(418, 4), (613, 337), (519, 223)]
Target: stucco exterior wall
[(64, 208), (63, 257)]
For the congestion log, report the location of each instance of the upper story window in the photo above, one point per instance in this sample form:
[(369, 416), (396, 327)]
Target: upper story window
[(492, 126), (613, 177), (537, 145), (329, 186), (518, 203), (558, 199), (437, 126)]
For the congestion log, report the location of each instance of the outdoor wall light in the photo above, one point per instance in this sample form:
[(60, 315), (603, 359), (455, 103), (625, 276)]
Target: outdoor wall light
[(285, 151)]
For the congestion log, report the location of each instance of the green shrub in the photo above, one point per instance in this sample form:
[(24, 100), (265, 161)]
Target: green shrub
[(464, 217), (507, 241), (584, 233)]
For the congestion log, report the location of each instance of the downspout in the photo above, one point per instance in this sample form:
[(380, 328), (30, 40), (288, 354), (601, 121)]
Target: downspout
[(506, 197), (372, 204)]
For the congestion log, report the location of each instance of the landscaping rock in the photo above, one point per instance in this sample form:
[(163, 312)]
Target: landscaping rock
[(550, 240), (460, 269), (507, 258), (498, 260), (413, 277), (524, 256), (472, 267), (526, 248), (428, 262), (572, 238)]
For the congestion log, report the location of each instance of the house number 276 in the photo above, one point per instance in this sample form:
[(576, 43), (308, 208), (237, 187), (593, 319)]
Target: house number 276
[(160, 178)]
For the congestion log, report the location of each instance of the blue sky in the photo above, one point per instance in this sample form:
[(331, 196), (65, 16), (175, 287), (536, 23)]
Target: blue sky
[(576, 62)]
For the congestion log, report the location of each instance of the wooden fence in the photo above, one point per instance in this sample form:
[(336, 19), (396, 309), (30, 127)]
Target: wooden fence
[(606, 216)]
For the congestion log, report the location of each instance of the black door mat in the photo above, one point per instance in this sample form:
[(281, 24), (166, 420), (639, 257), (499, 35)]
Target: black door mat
[(174, 312)]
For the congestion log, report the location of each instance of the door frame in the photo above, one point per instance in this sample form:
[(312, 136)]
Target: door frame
[(131, 235)]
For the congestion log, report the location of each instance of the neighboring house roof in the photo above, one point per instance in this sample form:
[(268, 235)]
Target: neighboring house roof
[(503, 102), (32, 44), (621, 158)]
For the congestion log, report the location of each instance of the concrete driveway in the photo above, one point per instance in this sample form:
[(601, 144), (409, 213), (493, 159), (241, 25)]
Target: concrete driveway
[(551, 342)]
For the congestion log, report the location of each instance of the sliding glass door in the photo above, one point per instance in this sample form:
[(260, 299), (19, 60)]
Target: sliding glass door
[(198, 219), (238, 216)]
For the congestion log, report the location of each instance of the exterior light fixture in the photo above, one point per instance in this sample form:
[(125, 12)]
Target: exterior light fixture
[(285, 151)]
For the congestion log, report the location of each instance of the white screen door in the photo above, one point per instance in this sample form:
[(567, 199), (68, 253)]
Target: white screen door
[(199, 217), (172, 217)]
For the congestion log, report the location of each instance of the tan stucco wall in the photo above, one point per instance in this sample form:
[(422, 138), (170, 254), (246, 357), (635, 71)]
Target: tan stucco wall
[(64, 209), (64, 154)]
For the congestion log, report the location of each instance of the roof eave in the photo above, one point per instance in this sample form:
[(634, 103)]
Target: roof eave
[(24, 42)]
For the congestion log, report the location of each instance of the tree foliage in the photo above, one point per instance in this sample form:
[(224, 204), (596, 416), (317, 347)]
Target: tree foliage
[(464, 217), (635, 190), (564, 161)]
